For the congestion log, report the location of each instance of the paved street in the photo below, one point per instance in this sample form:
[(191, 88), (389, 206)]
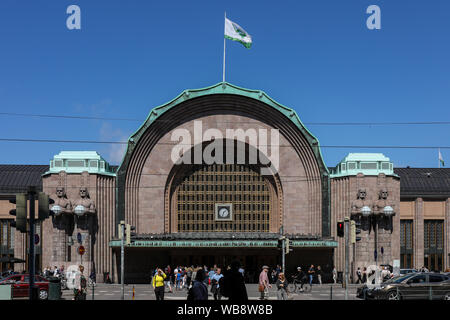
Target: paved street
[(145, 292)]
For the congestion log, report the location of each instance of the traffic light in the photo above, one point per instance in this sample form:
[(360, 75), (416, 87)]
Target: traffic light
[(340, 229), (120, 229), (129, 234), (43, 203), (20, 212), (280, 243), (288, 245)]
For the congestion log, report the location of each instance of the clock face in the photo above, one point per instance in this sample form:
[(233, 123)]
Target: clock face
[(223, 212)]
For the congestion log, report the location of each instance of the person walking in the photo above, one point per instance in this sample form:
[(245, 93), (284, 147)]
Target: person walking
[(79, 289), (215, 286), (273, 276), (198, 291), (242, 271), (189, 272), (311, 273), (232, 285), (359, 275), (264, 284), (364, 275), (335, 275), (167, 279), (211, 272), (178, 278), (281, 287), (158, 284), (319, 275)]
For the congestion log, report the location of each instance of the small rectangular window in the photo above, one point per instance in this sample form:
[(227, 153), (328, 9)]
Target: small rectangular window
[(368, 165), (351, 166), (385, 166)]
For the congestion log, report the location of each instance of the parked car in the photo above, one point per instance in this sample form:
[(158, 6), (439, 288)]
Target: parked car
[(20, 285), (6, 274), (418, 286), (406, 271)]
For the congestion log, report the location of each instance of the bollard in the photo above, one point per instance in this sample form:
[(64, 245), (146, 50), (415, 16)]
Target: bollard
[(331, 292), (133, 293), (431, 297)]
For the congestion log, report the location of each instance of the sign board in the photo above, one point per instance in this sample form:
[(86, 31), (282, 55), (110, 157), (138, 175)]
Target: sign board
[(226, 243), (396, 266), (81, 250), (36, 239)]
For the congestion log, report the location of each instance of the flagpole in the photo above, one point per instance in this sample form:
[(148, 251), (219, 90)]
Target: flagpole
[(439, 157), (223, 74)]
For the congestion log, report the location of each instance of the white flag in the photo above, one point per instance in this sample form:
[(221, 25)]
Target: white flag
[(236, 33), (441, 159)]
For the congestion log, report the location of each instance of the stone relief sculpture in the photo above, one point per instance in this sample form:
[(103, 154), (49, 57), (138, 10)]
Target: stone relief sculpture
[(63, 217), (84, 209), (86, 213), (384, 209), (360, 202), (356, 208)]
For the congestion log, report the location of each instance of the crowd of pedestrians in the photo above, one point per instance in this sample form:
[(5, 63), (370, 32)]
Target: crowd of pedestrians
[(199, 280)]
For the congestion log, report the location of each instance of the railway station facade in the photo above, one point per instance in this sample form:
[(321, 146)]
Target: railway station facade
[(218, 174)]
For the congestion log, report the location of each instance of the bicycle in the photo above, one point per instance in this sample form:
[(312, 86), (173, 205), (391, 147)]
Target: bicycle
[(298, 285)]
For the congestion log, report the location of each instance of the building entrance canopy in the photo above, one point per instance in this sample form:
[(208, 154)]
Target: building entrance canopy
[(224, 240)]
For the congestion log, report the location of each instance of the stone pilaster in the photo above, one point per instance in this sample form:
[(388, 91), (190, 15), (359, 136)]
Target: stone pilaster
[(59, 252), (418, 234), (447, 234)]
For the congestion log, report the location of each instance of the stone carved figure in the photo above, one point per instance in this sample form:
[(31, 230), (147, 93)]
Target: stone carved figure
[(63, 214), (84, 209), (356, 207), (360, 202), (380, 204)]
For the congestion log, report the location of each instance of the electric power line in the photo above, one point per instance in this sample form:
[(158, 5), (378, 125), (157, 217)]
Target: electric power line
[(75, 117), (187, 144)]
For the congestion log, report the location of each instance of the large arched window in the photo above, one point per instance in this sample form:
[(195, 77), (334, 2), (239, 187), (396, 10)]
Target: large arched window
[(240, 189)]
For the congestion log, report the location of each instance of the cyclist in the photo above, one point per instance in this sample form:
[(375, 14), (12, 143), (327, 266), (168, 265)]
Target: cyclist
[(300, 277)]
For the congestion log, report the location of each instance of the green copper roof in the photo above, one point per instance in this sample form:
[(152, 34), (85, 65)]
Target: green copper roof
[(369, 164), (227, 88), (79, 161)]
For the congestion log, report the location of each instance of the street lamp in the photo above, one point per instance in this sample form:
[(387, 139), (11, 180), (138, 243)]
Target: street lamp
[(366, 211), (388, 211), (80, 210), (57, 210)]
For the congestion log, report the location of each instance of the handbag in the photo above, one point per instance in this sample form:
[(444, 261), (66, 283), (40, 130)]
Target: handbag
[(261, 288)]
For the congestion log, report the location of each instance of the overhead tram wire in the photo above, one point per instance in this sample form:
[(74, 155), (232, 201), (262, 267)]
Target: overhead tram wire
[(177, 144), (75, 117)]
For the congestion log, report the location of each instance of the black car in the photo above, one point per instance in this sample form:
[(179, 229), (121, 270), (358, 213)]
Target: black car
[(413, 286)]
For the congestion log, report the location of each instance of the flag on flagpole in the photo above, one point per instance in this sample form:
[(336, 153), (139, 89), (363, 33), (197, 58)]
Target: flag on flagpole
[(236, 33), (441, 160)]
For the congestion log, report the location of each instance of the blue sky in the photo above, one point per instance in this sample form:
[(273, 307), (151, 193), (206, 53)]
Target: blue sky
[(317, 57)]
